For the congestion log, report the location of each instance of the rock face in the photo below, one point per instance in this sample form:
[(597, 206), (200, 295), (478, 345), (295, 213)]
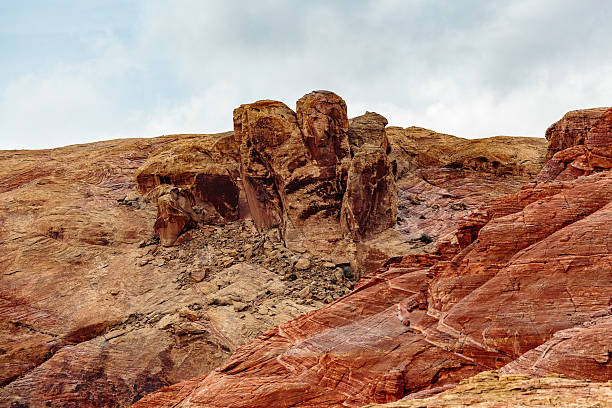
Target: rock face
[(488, 389), (299, 173), (291, 179), (93, 312), (175, 213), (524, 281), (441, 179), (370, 203), (581, 352), (571, 130), (588, 152), (206, 174)]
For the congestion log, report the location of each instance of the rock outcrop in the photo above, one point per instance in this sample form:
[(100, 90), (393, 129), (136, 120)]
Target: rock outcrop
[(571, 129), (441, 179), (94, 313), (489, 389), (300, 174), (203, 172), (581, 352), (299, 171), (588, 152), (531, 265)]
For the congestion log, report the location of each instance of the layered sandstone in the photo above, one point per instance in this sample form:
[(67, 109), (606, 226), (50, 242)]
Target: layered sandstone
[(585, 154), (203, 171), (441, 179), (299, 171), (571, 129), (491, 390), (93, 312), (522, 284)]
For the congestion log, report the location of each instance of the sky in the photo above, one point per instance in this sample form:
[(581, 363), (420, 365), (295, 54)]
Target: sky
[(80, 71)]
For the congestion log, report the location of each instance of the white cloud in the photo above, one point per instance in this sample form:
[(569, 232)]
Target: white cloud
[(470, 68)]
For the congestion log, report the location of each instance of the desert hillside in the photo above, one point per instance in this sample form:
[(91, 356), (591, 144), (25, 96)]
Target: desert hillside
[(306, 259)]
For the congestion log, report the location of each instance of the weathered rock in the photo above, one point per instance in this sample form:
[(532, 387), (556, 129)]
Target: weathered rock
[(488, 389), (591, 152), (258, 179), (417, 148), (121, 317), (370, 202), (175, 213), (284, 185), (581, 352), (295, 167), (528, 266), (92, 310), (332, 357), (368, 129), (571, 130), (205, 170), (302, 264), (324, 124)]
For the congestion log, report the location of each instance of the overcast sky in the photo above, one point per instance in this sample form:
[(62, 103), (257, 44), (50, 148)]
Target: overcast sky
[(79, 71)]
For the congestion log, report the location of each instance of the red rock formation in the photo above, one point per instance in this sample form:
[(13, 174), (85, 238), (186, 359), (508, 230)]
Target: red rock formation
[(533, 264), (490, 389), (581, 352), (571, 129), (322, 118), (175, 213), (295, 169), (205, 173), (590, 153), (370, 201), (92, 312), (351, 352)]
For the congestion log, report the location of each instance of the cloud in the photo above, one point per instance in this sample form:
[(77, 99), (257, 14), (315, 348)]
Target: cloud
[(470, 68)]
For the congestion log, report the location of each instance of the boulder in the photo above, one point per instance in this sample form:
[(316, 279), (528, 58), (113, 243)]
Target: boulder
[(175, 214)]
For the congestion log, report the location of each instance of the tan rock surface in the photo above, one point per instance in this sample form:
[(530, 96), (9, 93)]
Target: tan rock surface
[(93, 312), (490, 390), (527, 266)]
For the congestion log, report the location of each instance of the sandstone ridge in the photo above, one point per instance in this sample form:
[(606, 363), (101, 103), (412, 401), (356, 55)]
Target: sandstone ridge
[(97, 311), (524, 287)]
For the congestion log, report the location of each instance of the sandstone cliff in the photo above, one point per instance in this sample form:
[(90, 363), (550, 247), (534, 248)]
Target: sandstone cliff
[(97, 311), (94, 312), (525, 280)]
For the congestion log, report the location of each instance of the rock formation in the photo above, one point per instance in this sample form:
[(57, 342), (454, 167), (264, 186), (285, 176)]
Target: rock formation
[(203, 172), (95, 311), (571, 129), (489, 389), (441, 179), (525, 280), (323, 184), (589, 151)]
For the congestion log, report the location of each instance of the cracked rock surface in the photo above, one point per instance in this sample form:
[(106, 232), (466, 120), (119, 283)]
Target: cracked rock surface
[(525, 283)]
